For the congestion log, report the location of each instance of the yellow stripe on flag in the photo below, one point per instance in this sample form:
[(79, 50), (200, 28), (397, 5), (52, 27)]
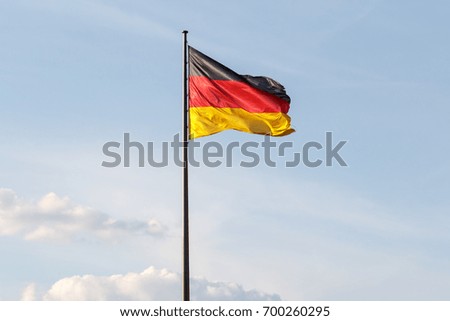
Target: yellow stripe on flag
[(206, 121)]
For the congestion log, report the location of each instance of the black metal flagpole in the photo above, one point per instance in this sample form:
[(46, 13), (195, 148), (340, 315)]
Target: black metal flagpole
[(186, 285)]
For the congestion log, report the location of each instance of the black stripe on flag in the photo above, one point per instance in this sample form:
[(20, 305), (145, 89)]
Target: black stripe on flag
[(204, 66)]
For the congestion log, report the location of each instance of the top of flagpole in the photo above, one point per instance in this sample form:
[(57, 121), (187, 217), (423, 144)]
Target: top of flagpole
[(185, 31)]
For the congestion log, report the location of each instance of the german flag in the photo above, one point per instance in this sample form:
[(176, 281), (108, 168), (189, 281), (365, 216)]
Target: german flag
[(221, 99)]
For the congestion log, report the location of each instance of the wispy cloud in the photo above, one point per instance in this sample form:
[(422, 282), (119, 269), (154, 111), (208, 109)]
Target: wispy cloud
[(150, 284), (111, 17), (58, 218), (115, 17)]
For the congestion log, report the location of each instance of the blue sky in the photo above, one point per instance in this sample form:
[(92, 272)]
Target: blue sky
[(74, 75)]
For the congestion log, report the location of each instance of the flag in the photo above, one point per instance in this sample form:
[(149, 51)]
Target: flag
[(221, 99)]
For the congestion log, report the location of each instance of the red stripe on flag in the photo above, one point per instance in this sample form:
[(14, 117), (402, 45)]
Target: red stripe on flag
[(205, 92)]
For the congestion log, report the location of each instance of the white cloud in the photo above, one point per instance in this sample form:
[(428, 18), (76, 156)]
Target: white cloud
[(58, 218), (29, 293), (151, 284)]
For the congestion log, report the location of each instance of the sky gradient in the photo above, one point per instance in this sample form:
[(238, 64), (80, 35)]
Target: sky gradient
[(77, 74)]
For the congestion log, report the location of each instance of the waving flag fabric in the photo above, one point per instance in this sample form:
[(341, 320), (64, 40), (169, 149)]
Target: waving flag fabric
[(221, 99)]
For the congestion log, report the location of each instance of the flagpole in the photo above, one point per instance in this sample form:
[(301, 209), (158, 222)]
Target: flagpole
[(185, 285)]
